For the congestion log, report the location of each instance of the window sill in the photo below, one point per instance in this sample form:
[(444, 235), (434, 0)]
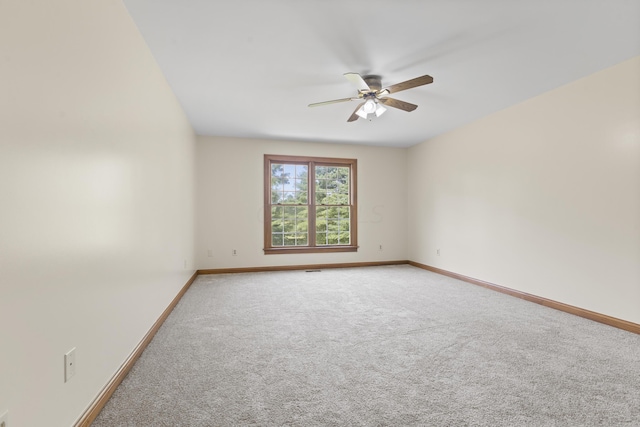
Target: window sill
[(308, 250)]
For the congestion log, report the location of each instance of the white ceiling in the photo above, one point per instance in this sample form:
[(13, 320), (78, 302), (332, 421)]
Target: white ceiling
[(249, 68)]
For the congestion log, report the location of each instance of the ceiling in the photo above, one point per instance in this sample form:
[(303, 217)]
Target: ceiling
[(249, 68)]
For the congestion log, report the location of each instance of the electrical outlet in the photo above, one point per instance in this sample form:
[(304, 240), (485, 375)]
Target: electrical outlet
[(234, 252), (4, 419), (438, 252), (380, 247), (69, 364), (209, 253)]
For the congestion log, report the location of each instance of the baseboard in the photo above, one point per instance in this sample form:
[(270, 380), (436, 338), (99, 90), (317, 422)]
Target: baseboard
[(96, 406), (587, 314), (299, 267)]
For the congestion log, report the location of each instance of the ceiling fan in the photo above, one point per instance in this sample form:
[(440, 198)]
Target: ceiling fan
[(373, 96)]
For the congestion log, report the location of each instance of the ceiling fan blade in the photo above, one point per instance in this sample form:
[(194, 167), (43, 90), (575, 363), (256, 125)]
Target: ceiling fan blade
[(335, 101), (358, 81), (396, 103), (354, 116), (418, 81)]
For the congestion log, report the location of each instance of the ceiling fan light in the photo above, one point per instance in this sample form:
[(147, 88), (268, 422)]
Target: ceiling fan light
[(380, 110), (369, 106), (361, 113)]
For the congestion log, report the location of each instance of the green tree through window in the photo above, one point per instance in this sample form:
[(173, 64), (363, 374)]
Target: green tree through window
[(304, 218)]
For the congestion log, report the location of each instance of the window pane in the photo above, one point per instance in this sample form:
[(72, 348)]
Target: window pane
[(277, 179), (332, 185), (276, 190), (343, 238), (321, 239), (290, 212), (277, 222), (277, 169), (277, 197), (321, 189), (301, 239), (321, 197), (293, 222), (321, 218), (302, 183), (342, 180), (289, 219), (277, 225), (289, 197), (289, 184), (289, 225), (276, 239), (290, 170), (335, 212), (332, 238), (302, 171), (277, 212), (302, 223), (332, 225), (341, 199), (276, 183)]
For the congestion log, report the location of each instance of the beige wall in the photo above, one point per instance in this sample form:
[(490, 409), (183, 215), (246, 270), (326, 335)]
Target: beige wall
[(543, 197), (230, 202), (96, 201)]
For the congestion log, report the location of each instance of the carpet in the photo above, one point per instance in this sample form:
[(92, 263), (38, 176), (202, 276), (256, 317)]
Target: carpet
[(375, 346)]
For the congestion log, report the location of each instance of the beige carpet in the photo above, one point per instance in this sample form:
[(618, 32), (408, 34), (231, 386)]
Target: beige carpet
[(379, 346)]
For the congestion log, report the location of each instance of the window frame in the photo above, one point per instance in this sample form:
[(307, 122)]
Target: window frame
[(312, 162)]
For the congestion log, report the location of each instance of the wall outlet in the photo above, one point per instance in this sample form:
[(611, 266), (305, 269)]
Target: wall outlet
[(69, 364), (380, 247), (438, 252), (209, 253), (4, 419), (234, 252)]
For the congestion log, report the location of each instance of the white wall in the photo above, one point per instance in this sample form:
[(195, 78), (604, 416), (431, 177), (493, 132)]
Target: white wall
[(96, 201), (230, 202), (543, 197)]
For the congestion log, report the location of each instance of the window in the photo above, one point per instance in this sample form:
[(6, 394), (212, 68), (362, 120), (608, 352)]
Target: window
[(309, 205)]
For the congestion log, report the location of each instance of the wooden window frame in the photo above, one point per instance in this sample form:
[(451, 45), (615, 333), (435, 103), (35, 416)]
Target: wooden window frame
[(311, 204)]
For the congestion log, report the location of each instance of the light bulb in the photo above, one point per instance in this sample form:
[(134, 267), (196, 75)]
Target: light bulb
[(361, 113), (380, 110), (369, 106)]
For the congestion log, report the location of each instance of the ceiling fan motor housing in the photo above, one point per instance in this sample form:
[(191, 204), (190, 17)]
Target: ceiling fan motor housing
[(374, 82)]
